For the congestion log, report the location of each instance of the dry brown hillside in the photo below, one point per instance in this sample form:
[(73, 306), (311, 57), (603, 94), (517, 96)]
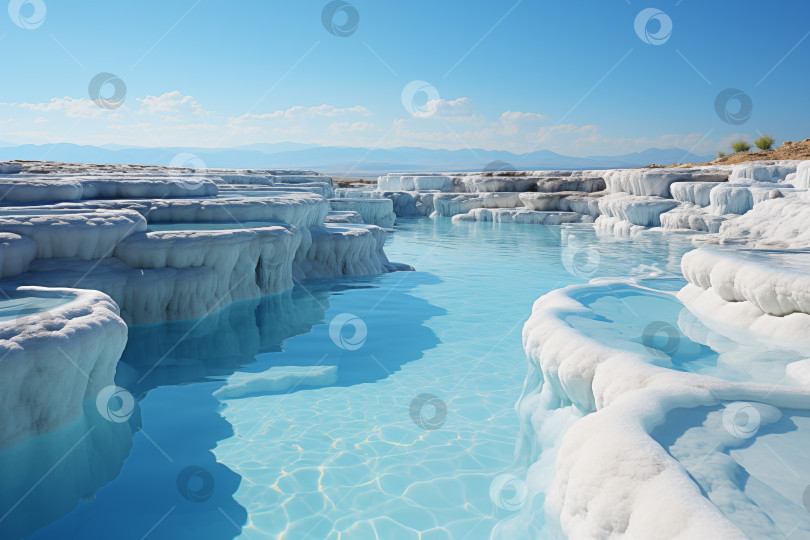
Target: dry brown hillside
[(789, 150)]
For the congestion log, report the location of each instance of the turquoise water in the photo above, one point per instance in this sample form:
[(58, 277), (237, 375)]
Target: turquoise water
[(406, 426), (771, 469), (28, 305), (655, 324)]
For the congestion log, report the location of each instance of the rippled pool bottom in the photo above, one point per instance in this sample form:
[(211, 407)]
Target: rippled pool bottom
[(413, 435)]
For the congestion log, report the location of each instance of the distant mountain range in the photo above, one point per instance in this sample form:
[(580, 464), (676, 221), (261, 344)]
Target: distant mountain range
[(345, 160)]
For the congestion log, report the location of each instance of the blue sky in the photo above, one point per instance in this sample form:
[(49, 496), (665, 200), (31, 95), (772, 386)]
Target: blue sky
[(570, 76)]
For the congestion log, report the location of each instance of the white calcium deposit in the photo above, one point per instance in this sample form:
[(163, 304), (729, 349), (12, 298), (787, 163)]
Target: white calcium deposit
[(146, 245)]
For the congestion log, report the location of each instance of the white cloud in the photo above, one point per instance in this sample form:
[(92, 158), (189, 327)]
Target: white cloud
[(40, 135), (554, 134), (155, 130), (512, 130), (169, 103), (301, 112), (197, 127), (457, 110), (302, 123), (517, 116), (351, 127), (71, 107), (175, 119)]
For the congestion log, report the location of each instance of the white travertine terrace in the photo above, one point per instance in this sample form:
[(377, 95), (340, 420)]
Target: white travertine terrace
[(29, 188), (693, 192), (779, 223), (58, 348), (592, 404), (135, 245), (16, 253), (611, 478), (522, 215), (776, 282), (344, 216), (92, 235), (379, 212), (688, 216), (451, 204), (642, 210), (622, 201), (148, 244), (657, 182), (801, 178), (566, 201)]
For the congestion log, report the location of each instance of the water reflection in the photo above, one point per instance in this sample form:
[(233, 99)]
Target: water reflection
[(758, 478), (45, 477), (182, 352), (156, 474)]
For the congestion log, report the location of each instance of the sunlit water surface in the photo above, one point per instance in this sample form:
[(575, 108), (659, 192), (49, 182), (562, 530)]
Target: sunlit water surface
[(414, 425)]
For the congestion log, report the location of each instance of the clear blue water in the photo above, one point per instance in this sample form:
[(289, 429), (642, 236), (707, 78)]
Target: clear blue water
[(771, 468), (406, 438), (648, 321), (24, 305), (754, 467), (614, 319)]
